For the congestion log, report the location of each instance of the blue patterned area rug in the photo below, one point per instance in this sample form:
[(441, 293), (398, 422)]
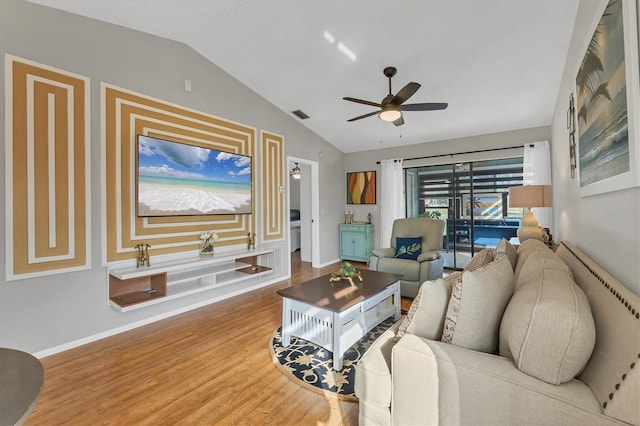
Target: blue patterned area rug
[(311, 366)]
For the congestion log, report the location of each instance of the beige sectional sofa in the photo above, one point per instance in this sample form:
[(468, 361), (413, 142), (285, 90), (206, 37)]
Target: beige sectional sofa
[(565, 350)]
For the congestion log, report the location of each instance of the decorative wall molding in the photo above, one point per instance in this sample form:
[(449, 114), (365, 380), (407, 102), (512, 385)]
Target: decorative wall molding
[(47, 169), (272, 173), (126, 114)]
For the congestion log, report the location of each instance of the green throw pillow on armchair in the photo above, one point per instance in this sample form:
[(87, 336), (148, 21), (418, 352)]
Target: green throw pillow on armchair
[(408, 247)]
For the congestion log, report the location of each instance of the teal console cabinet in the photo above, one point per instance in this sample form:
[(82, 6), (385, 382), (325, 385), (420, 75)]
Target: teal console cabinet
[(356, 241)]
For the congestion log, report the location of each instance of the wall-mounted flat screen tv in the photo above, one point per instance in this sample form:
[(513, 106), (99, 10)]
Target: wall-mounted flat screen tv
[(178, 179)]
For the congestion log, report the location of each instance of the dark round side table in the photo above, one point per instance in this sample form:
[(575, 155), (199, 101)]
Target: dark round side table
[(21, 379)]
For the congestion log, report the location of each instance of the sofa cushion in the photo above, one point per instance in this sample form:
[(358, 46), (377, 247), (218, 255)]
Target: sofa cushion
[(505, 248), (408, 247), (480, 259), (373, 371), (370, 414), (476, 306), (440, 384), (426, 314), (547, 327)]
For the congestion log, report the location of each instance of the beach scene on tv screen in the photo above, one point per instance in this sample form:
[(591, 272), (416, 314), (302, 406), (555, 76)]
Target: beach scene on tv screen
[(176, 179)]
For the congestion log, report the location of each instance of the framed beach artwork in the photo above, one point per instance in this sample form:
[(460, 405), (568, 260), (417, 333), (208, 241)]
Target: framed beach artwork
[(607, 89), (485, 206), (361, 187)]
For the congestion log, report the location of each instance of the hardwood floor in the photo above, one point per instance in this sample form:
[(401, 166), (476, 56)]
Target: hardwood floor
[(208, 366)]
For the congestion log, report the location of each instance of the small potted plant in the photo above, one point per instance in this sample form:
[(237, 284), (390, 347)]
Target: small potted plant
[(206, 243), (434, 214)]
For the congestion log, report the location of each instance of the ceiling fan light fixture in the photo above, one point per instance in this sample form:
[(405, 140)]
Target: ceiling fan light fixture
[(390, 114), (391, 106), (295, 172)]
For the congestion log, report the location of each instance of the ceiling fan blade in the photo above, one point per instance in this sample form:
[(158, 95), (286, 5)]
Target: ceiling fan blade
[(364, 116), (361, 101), (399, 121), (430, 106), (405, 93)]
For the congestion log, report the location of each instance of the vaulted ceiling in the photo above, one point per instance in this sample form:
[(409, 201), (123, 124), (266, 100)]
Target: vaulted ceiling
[(498, 63)]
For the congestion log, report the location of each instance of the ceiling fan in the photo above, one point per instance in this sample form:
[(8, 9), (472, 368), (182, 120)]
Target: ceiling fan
[(391, 106)]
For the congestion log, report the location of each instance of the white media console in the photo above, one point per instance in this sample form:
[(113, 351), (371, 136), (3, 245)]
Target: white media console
[(136, 287)]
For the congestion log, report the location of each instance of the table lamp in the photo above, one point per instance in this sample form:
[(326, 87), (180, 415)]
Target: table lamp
[(530, 196)]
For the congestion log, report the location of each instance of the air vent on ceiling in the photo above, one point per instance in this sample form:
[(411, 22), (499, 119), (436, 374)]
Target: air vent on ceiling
[(301, 115)]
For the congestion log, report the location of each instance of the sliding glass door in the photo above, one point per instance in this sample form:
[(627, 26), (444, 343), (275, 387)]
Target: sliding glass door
[(472, 199)]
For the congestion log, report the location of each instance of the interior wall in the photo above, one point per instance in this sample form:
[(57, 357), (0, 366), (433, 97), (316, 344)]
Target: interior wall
[(362, 161), (127, 114), (37, 314), (294, 192), (605, 226), (272, 180), (47, 228), (305, 213)]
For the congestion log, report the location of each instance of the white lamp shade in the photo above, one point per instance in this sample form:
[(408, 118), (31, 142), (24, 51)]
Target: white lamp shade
[(530, 196)]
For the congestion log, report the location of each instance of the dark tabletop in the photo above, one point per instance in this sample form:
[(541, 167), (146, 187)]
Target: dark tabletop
[(21, 378), (337, 296)]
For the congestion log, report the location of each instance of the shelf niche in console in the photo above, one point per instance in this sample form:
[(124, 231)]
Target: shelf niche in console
[(132, 288)]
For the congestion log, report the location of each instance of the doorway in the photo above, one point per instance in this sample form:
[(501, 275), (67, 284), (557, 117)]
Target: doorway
[(304, 201), (472, 199)]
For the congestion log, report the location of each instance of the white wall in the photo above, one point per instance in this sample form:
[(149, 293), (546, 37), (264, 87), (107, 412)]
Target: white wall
[(306, 209), (294, 193), (362, 161), (605, 226), (38, 314)]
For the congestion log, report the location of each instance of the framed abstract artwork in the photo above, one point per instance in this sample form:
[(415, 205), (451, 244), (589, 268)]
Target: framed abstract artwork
[(608, 149), (361, 187)]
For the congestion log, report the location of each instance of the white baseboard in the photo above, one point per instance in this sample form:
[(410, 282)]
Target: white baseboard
[(331, 262), (146, 321)]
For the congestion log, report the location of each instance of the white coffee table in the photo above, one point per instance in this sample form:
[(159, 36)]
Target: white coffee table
[(335, 315)]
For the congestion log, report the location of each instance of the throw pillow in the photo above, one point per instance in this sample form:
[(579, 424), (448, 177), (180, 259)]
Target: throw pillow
[(480, 259), (547, 328), (530, 246), (505, 248), (408, 247), (525, 250), (536, 262), (426, 314), (476, 306)]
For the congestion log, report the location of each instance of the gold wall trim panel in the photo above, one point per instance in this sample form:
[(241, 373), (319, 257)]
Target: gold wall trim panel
[(47, 169), (272, 154), (126, 114)]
